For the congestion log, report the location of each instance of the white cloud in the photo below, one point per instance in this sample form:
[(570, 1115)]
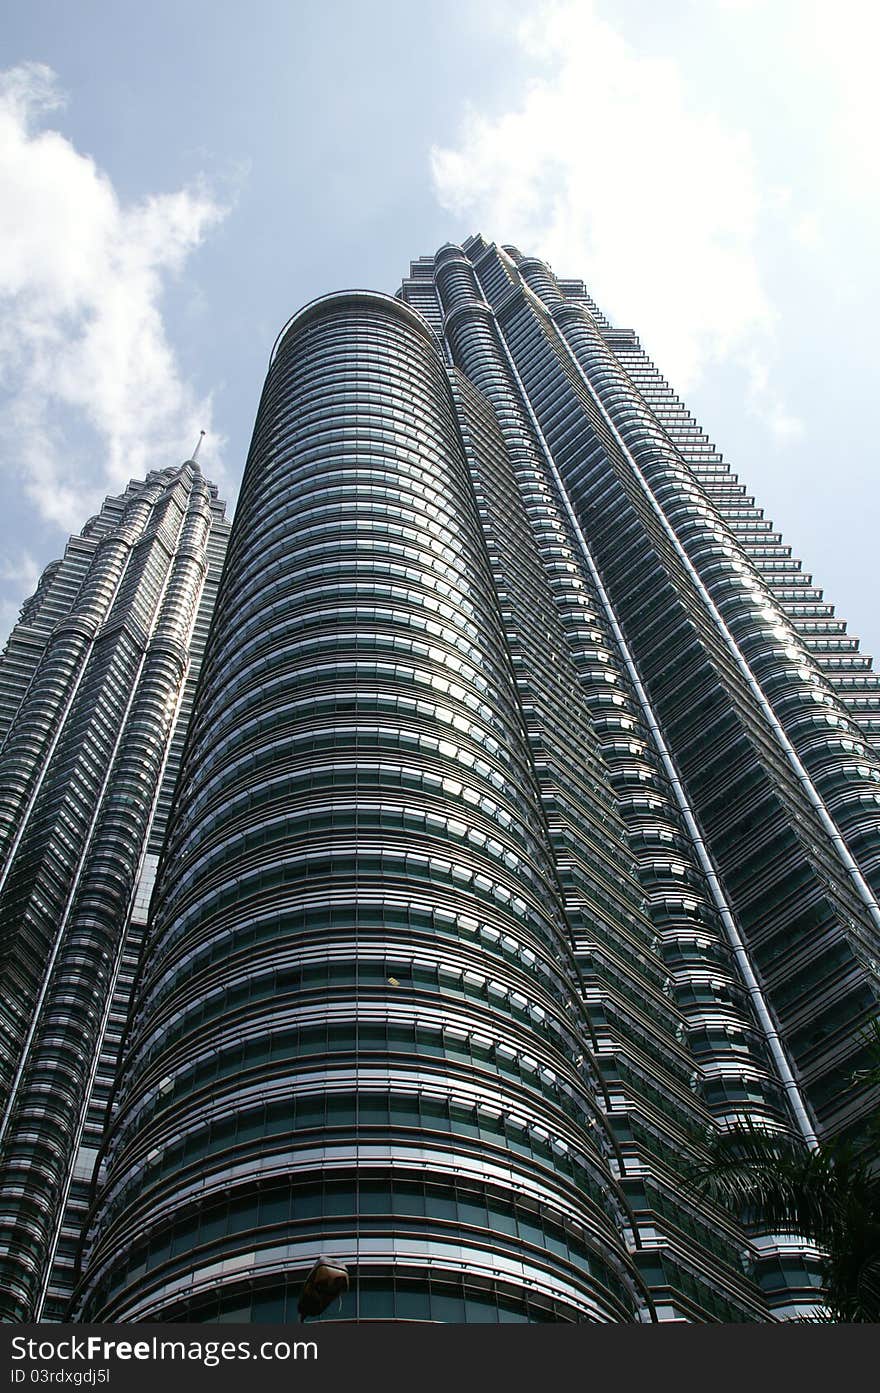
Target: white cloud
[(19, 575), (23, 571), (807, 231), (843, 38), (606, 169), (95, 394)]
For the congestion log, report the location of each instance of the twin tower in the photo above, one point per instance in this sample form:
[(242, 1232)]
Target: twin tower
[(417, 874)]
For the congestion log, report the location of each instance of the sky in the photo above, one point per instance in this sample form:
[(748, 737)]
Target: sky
[(176, 179)]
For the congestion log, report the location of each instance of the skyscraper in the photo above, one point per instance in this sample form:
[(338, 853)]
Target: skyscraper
[(525, 832), (95, 686)]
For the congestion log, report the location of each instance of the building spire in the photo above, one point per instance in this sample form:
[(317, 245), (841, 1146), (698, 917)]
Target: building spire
[(195, 453)]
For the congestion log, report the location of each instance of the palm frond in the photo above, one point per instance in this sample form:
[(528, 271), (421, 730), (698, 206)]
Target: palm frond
[(769, 1178), (829, 1196), (868, 1288)]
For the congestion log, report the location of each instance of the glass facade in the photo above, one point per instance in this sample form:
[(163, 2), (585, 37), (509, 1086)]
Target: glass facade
[(94, 683), (360, 1031), (520, 832)]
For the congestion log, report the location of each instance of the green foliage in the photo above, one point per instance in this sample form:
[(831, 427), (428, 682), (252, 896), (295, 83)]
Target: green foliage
[(829, 1196)]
